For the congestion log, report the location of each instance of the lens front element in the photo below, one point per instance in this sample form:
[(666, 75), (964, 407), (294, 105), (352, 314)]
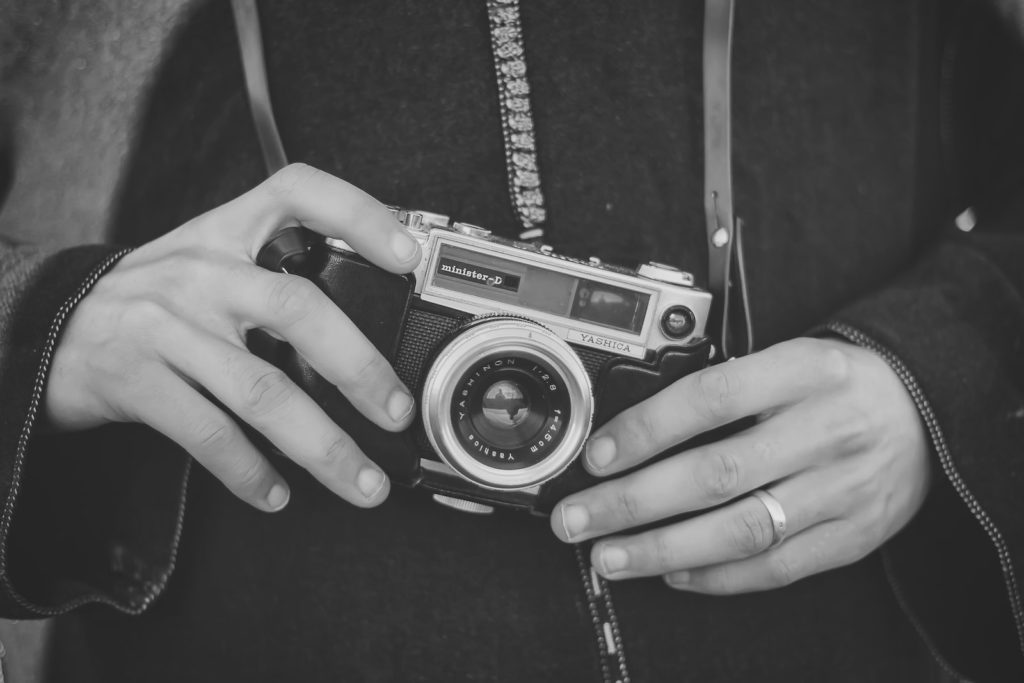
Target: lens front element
[(510, 412), (507, 404)]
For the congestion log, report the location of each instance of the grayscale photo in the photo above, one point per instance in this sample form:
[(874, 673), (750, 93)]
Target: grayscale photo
[(492, 341)]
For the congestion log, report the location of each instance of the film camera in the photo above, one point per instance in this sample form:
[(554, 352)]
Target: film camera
[(513, 352)]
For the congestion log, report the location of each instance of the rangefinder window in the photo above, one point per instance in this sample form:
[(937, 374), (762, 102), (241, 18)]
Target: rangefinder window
[(602, 304)]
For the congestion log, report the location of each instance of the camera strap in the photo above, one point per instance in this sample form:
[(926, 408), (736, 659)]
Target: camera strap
[(250, 43), (726, 273)]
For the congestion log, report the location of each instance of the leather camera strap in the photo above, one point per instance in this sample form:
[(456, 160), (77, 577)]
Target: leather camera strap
[(725, 247), (250, 43)]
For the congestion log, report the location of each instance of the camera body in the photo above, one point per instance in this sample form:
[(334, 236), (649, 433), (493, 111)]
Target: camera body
[(513, 352)]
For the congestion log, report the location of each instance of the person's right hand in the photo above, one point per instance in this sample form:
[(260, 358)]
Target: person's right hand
[(170, 320)]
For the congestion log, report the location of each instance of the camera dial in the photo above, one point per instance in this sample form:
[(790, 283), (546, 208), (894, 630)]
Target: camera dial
[(507, 404)]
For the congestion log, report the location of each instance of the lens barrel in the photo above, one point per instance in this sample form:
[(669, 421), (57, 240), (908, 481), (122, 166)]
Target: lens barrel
[(507, 403)]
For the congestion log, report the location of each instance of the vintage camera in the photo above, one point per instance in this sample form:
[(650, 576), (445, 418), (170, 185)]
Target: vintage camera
[(513, 352)]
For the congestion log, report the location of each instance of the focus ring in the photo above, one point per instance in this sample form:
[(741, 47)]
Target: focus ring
[(506, 337)]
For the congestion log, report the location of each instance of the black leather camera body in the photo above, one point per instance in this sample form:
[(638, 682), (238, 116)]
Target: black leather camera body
[(513, 353)]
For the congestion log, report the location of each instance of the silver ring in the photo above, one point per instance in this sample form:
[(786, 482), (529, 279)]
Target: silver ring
[(777, 514)]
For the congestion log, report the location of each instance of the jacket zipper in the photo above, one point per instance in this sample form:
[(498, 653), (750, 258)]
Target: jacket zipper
[(938, 440), (152, 589), (610, 647)]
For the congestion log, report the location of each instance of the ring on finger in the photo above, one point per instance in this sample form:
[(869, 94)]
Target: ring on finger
[(776, 512)]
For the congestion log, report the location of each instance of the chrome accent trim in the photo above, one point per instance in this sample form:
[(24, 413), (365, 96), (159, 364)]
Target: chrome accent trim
[(460, 505), (661, 272), (605, 342), (471, 230), (663, 295), (437, 467), (521, 338), (339, 244)]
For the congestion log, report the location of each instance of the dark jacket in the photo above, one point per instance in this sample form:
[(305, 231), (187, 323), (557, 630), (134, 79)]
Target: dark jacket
[(862, 129)]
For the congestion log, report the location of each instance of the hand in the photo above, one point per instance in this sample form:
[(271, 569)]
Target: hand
[(170, 320), (838, 443)]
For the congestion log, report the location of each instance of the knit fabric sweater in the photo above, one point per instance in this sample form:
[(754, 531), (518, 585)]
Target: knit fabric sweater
[(862, 129)]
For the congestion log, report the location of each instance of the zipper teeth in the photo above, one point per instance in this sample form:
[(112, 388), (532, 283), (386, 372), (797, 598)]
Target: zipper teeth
[(613, 620), (598, 591), (595, 617), (948, 467), (153, 589)]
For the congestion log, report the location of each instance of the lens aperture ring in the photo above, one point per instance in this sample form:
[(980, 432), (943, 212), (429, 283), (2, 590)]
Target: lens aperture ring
[(507, 403)]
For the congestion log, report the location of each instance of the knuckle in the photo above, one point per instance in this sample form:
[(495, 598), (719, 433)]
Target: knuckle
[(718, 581), (750, 532), (266, 391), (863, 485), (368, 371), (643, 427), (249, 477), (833, 366), (213, 437), (717, 476), (662, 554), (764, 451), (851, 429), (292, 298), (146, 316), (283, 183), (797, 350), (628, 507), (185, 265), (783, 570), (338, 454), (715, 391)]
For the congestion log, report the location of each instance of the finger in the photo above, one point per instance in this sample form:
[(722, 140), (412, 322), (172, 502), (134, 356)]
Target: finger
[(298, 311), (694, 480), (263, 396), (329, 206), (737, 531), (778, 376), (214, 439), (820, 548)]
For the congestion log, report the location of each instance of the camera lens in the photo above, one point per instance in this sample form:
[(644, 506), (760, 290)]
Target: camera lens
[(506, 403), (509, 411)]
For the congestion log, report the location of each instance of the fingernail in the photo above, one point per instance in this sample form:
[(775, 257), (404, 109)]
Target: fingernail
[(400, 405), (370, 481), (404, 246), (277, 497), (600, 453), (678, 578), (574, 520), (613, 559)]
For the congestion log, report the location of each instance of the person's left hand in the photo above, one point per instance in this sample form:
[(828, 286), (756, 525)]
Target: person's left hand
[(838, 442)]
